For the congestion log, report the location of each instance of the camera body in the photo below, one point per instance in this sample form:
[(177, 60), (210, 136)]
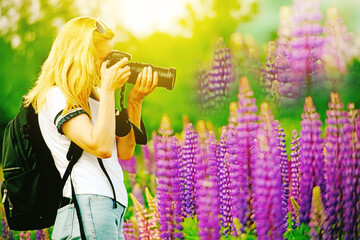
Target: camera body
[(166, 76)]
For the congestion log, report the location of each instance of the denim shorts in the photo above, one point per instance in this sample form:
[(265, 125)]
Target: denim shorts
[(100, 219)]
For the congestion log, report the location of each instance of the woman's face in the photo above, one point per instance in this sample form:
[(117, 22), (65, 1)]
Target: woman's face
[(104, 48)]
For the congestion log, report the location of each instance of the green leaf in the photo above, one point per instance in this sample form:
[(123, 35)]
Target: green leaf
[(190, 230)]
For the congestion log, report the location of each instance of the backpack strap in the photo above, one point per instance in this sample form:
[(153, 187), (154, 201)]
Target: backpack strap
[(77, 208), (73, 155), (108, 177)]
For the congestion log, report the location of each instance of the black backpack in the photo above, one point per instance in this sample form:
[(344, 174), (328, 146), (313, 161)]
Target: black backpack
[(32, 189)]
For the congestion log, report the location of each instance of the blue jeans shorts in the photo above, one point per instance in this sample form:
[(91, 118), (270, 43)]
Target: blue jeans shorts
[(100, 219)]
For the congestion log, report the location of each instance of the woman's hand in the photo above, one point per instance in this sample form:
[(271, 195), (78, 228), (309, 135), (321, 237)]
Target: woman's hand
[(116, 76), (146, 83)]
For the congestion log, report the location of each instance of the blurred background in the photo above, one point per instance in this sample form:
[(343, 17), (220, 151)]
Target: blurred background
[(177, 33)]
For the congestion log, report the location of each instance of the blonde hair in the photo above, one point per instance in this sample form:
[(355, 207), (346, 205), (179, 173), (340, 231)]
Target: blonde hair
[(71, 65)]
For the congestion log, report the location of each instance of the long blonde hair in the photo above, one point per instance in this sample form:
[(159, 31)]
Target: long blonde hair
[(71, 65)]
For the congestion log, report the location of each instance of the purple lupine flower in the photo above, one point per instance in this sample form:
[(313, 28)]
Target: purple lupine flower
[(176, 191), (163, 155), (223, 180), (214, 86), (129, 165), (4, 226), (284, 89), (267, 184), (128, 230), (332, 171), (207, 193), (294, 171), (190, 151), (202, 89), (149, 161), (306, 44), (357, 175), (241, 142), (270, 70), (311, 158), (7, 233), (284, 167), (237, 206), (39, 234), (349, 178), (220, 75), (338, 157), (166, 150), (338, 47)]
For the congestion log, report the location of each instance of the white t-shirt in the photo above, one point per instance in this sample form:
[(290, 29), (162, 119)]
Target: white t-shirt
[(87, 176)]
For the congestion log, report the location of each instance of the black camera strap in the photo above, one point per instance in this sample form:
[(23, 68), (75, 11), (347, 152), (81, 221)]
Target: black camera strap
[(123, 124)]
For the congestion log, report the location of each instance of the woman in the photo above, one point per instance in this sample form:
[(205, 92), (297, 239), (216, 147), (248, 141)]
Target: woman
[(71, 108)]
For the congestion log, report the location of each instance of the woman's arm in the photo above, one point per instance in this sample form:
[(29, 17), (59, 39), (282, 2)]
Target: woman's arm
[(145, 84), (98, 140)]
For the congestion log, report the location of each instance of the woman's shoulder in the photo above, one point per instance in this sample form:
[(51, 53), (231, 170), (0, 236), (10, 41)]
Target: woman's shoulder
[(55, 91), (55, 94), (55, 98)]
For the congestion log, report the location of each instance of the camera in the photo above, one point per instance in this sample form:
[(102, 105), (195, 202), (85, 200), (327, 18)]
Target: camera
[(166, 76)]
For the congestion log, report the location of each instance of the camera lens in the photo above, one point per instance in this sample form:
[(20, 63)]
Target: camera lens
[(166, 76)]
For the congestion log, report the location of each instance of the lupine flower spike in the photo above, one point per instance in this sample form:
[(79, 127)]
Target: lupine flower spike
[(283, 87), (269, 217), (223, 179), (190, 152), (317, 214), (311, 158), (350, 176), (6, 232), (153, 215), (207, 193), (143, 224), (338, 47), (294, 172), (166, 151), (338, 170), (128, 229), (357, 176), (306, 44), (213, 87), (241, 155), (284, 166), (270, 74)]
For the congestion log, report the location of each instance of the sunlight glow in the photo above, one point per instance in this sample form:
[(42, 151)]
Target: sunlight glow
[(144, 17)]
